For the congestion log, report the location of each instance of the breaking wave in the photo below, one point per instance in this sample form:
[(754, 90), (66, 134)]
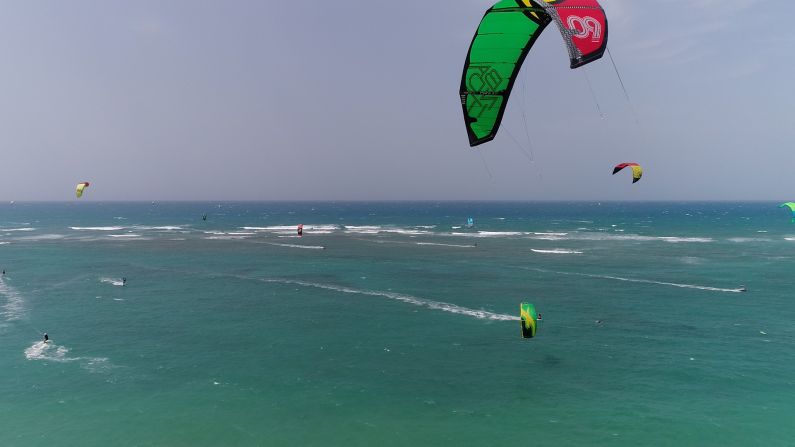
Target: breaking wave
[(557, 251)]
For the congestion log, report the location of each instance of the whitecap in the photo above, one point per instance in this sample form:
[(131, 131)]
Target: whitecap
[(557, 251), (639, 238), (486, 234), (675, 239), (272, 228), (114, 281), (41, 237), (446, 245), (741, 240), (307, 247), (163, 228), (225, 237), (376, 229)]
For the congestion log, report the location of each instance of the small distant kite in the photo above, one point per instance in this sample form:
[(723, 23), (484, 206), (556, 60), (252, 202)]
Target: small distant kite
[(791, 206), (80, 187), (637, 171)]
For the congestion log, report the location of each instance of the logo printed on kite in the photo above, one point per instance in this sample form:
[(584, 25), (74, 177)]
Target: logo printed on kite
[(482, 102), (583, 27), (488, 78)]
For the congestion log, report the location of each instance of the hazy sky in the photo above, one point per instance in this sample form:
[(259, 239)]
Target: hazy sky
[(355, 99)]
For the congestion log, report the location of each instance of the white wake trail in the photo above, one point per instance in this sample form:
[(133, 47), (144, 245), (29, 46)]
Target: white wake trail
[(643, 281), (435, 305)]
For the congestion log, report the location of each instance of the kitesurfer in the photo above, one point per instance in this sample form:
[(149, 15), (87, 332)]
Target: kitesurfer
[(124, 281), (538, 317), (743, 289), (46, 338)]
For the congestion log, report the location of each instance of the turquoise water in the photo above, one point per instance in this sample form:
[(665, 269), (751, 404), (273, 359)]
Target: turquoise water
[(394, 324)]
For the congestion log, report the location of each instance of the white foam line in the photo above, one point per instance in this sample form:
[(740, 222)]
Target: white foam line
[(644, 281), (376, 229), (637, 237), (41, 237), (98, 228), (557, 251), (436, 305), (308, 247), (446, 245), (740, 240), (381, 241), (486, 234)]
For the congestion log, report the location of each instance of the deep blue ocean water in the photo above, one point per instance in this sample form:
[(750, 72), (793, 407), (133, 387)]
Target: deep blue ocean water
[(395, 324)]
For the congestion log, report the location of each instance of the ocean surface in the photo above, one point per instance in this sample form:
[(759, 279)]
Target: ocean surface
[(395, 324)]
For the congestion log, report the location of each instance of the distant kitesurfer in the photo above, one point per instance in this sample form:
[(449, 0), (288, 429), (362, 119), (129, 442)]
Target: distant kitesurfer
[(46, 338), (599, 322), (124, 281), (741, 289), (204, 217), (538, 317)]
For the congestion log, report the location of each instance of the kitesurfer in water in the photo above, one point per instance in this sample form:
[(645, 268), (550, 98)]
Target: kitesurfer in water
[(538, 317), (743, 289), (124, 281), (46, 338)]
